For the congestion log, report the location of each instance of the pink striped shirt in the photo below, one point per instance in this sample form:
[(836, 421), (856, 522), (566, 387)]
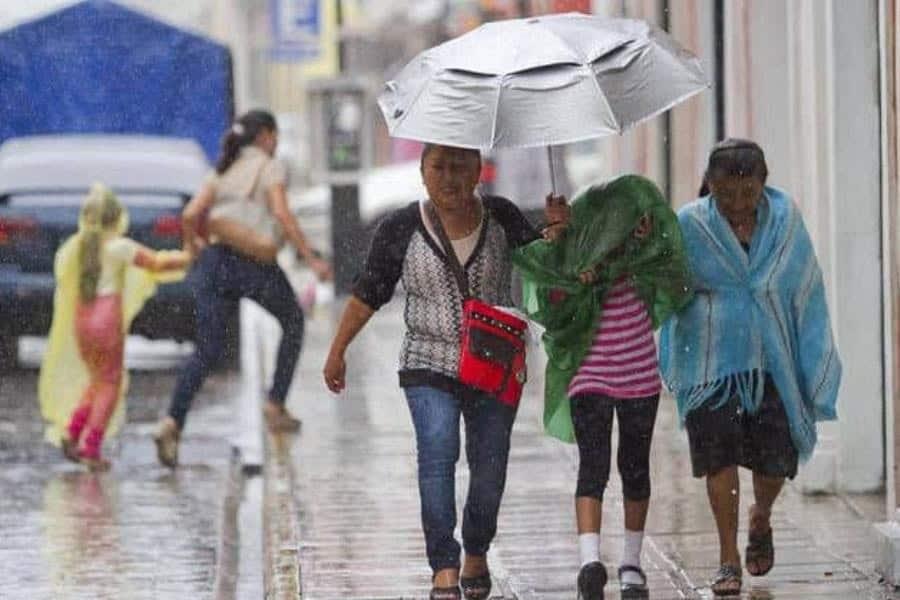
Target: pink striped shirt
[(621, 362)]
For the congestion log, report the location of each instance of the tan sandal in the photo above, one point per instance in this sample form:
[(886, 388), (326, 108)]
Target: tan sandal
[(167, 438), (279, 420)]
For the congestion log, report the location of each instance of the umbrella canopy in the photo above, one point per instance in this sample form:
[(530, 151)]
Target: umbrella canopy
[(540, 81)]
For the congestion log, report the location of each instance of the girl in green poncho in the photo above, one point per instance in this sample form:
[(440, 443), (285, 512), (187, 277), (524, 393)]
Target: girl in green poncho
[(615, 273)]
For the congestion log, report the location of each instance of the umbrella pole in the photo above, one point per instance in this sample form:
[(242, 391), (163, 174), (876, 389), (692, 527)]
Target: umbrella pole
[(552, 170)]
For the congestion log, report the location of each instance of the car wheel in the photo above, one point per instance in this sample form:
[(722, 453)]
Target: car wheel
[(9, 352)]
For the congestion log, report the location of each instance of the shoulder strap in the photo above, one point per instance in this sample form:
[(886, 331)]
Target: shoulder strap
[(462, 279)]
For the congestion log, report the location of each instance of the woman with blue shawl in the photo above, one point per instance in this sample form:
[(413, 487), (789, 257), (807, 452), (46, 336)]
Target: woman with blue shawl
[(751, 359)]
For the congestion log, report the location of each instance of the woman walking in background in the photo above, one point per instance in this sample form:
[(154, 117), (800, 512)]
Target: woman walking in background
[(238, 221), (102, 280), (751, 360)]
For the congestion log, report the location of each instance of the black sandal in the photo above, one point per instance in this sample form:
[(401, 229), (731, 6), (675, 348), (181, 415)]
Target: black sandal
[(727, 574), (633, 590), (476, 588), (760, 548), (445, 593)]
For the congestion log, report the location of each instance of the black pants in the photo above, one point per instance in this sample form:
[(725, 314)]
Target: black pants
[(592, 417), (222, 276)]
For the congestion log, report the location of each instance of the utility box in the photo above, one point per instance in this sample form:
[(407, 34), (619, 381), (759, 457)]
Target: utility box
[(340, 120), (341, 113)]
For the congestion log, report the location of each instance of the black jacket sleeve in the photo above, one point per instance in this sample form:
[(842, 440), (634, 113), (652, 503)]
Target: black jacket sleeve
[(375, 285), (518, 230)]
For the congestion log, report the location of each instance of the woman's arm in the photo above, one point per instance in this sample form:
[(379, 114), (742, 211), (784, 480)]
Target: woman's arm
[(159, 262), (190, 217), (279, 207), (356, 314)]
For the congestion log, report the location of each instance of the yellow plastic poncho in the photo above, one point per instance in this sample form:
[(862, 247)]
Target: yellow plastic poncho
[(64, 375)]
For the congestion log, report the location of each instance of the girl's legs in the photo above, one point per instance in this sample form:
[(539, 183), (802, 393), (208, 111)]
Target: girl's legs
[(592, 418), (80, 415), (637, 418), (100, 339)]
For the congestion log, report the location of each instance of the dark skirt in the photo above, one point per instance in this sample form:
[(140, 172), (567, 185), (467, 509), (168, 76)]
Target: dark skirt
[(727, 435)]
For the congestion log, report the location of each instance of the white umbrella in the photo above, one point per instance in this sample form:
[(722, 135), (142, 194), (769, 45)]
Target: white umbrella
[(540, 82)]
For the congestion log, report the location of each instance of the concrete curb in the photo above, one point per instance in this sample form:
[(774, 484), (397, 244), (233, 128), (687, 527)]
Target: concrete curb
[(281, 534)]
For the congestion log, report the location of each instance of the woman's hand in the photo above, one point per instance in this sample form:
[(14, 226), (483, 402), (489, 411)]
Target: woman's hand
[(556, 214), (588, 277), (644, 227), (335, 372), (320, 267)]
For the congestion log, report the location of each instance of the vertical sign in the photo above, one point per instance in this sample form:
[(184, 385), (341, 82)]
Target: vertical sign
[(296, 29)]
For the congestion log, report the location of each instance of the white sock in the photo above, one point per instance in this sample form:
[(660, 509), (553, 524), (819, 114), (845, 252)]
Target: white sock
[(631, 555), (589, 547)]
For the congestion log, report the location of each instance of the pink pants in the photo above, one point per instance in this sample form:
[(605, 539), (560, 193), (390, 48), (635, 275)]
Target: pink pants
[(98, 330)]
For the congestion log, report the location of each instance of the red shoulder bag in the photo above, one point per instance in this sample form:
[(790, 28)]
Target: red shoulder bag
[(492, 341)]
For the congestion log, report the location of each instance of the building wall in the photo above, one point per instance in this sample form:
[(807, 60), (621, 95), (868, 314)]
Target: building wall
[(802, 79)]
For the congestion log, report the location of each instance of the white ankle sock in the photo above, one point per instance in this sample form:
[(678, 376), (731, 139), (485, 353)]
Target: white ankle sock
[(589, 547), (631, 555), (631, 552)]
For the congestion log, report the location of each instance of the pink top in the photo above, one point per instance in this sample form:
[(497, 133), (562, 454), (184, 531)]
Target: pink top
[(621, 362)]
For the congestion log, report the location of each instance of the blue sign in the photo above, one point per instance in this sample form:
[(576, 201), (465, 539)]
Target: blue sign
[(296, 29)]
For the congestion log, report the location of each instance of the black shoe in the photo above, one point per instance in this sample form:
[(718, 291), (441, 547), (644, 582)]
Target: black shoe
[(591, 579), (633, 590)]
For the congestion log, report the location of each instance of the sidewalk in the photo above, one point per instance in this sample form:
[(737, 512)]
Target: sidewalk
[(356, 499), (139, 531)]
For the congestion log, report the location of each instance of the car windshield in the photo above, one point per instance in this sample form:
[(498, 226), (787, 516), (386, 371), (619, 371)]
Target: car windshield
[(133, 199)]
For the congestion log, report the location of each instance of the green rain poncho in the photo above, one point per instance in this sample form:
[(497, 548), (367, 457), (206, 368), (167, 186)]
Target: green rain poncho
[(599, 235)]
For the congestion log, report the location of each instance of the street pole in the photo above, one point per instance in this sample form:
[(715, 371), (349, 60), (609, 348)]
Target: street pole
[(346, 226)]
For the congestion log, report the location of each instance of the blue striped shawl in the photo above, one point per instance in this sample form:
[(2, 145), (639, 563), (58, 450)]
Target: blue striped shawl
[(757, 313)]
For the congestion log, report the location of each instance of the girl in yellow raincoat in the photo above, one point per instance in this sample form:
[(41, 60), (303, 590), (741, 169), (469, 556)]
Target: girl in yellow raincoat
[(102, 280)]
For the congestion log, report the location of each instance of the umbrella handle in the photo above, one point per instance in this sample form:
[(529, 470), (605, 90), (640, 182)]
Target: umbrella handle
[(552, 170)]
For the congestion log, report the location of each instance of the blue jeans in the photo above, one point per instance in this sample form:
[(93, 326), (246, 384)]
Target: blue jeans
[(221, 278), (435, 416)]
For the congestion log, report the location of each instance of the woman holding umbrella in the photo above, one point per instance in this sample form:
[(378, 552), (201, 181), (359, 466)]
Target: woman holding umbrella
[(408, 247)]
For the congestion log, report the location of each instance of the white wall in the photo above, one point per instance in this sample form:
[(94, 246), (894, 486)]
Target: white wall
[(802, 80)]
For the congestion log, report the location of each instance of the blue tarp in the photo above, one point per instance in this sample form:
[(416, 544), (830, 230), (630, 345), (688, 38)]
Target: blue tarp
[(97, 67)]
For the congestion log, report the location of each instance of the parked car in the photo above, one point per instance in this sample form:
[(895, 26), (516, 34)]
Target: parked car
[(43, 181)]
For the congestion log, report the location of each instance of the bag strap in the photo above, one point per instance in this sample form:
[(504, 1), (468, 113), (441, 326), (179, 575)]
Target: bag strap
[(462, 279)]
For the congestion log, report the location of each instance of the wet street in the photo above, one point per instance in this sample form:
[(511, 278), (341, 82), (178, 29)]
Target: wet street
[(358, 507), (138, 531)]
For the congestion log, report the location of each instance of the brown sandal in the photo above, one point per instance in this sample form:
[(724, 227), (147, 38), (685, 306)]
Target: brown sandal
[(760, 549)]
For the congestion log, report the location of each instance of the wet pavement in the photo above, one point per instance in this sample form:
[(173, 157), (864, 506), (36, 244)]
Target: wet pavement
[(138, 531), (358, 510)]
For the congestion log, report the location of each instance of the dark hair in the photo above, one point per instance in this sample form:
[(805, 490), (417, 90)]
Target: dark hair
[(735, 157), (243, 133), (426, 150)]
